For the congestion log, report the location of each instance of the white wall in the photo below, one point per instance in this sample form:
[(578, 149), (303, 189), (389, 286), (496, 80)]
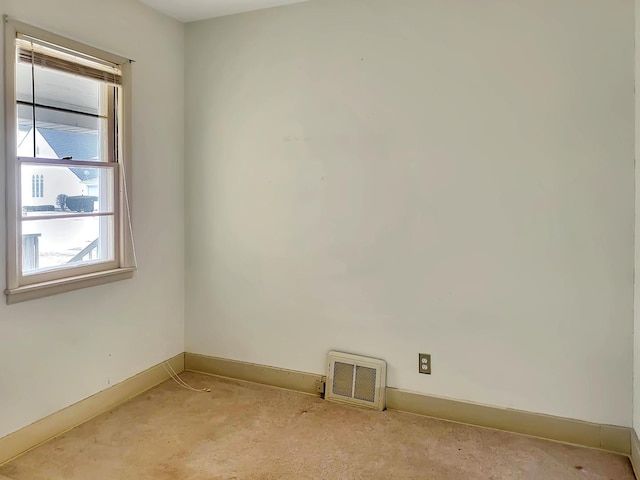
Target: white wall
[(59, 350), (388, 178)]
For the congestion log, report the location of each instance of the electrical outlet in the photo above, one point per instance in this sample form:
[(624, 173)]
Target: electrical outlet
[(424, 363)]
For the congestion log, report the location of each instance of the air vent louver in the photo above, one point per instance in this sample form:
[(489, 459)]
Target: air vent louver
[(356, 380)]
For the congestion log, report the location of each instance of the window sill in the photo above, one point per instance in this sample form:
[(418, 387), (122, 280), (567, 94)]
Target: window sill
[(45, 289)]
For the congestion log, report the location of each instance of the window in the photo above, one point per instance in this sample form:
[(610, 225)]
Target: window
[(65, 120), (37, 186)]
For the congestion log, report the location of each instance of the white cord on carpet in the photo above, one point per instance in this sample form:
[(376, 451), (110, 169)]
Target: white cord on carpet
[(176, 378)]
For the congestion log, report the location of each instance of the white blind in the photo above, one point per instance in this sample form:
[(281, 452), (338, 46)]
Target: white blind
[(42, 54)]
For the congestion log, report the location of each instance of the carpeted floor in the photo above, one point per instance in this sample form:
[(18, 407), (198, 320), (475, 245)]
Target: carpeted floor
[(242, 431)]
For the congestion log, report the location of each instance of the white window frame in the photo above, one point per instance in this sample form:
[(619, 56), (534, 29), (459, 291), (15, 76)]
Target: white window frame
[(19, 287)]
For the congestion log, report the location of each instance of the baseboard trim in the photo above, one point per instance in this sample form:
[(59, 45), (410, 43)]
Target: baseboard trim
[(615, 439), (43, 430), (635, 453), (251, 372), (604, 437)]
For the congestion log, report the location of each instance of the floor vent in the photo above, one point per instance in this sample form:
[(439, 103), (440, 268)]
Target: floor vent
[(356, 380)]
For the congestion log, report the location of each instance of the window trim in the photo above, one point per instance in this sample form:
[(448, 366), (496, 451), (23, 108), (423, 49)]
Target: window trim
[(123, 267)]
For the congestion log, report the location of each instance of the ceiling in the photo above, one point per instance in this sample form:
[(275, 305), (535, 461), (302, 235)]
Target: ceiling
[(191, 10)]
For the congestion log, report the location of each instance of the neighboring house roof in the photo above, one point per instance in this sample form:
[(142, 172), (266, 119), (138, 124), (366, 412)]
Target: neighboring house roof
[(78, 146)]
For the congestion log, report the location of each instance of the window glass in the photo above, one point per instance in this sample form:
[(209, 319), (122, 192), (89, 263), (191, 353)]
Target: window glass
[(67, 122), (69, 190), (66, 243), (65, 91)]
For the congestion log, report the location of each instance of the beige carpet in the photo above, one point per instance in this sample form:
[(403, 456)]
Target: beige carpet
[(245, 431)]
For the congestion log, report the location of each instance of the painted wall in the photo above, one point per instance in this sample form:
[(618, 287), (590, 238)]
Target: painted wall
[(388, 178), (59, 350)]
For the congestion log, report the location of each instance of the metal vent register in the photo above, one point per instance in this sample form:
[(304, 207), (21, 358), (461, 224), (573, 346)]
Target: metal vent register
[(356, 380)]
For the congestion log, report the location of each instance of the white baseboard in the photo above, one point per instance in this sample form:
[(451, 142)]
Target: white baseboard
[(251, 372), (31, 436), (604, 437), (635, 453), (615, 439), (566, 430)]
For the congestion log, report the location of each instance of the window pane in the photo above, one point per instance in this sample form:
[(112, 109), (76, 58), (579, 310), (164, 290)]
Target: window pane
[(70, 115), (25, 131), (63, 90), (57, 190), (64, 135), (24, 91), (66, 243), (61, 135)]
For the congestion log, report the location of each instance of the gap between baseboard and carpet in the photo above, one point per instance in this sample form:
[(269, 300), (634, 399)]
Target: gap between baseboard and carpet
[(60, 422), (620, 440)]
